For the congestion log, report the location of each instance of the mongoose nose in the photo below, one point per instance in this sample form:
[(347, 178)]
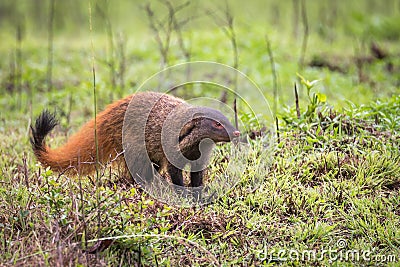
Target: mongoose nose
[(236, 133)]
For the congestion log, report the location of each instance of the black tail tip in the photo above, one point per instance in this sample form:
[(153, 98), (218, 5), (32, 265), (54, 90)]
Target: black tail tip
[(43, 125)]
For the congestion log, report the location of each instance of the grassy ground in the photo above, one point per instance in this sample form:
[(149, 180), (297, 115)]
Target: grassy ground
[(329, 197)]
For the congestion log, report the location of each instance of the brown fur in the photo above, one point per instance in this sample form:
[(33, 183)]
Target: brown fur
[(79, 153)]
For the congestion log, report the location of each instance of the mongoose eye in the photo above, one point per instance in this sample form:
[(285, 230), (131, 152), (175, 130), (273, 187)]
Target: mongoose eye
[(218, 125)]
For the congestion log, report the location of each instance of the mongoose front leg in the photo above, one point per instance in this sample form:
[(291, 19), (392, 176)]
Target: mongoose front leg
[(199, 165), (144, 174), (176, 174), (196, 178)]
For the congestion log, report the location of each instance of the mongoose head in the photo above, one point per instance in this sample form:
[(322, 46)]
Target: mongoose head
[(208, 123)]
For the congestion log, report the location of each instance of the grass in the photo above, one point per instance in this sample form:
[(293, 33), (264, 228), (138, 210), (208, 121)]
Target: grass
[(328, 194)]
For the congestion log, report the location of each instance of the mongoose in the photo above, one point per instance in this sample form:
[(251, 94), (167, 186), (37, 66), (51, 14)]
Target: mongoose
[(157, 112)]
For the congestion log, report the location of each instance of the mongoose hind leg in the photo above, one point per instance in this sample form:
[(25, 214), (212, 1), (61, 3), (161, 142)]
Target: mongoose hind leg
[(176, 174), (143, 175)]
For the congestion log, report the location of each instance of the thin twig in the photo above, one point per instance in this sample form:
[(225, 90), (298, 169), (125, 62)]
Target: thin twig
[(274, 75), (235, 111), (18, 61), (50, 30), (227, 24), (277, 130), (296, 97), (158, 27), (26, 176), (122, 61), (305, 34), (70, 102), (177, 27), (110, 39), (95, 122), (296, 18)]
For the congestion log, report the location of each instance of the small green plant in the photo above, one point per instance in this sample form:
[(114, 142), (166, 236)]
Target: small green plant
[(316, 99)]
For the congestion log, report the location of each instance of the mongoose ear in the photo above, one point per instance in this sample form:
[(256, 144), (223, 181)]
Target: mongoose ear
[(197, 118), (198, 115), (186, 129)]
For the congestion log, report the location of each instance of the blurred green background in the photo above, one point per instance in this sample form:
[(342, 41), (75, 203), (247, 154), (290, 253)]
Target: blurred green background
[(35, 34)]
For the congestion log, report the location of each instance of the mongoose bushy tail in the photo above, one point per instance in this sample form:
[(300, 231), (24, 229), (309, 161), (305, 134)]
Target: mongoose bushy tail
[(78, 155)]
